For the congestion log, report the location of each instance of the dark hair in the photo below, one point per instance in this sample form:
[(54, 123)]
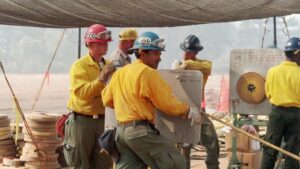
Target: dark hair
[(138, 52), (137, 55), (289, 54)]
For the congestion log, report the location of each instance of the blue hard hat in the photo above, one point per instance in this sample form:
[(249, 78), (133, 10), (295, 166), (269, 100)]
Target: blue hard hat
[(148, 41), (191, 44), (292, 44)]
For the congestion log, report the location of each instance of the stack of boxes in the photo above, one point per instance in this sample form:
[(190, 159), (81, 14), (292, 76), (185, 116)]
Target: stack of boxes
[(248, 150)]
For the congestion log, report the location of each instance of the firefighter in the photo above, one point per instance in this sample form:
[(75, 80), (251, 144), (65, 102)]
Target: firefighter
[(283, 91), (191, 46), (84, 126), (135, 91), (120, 56)]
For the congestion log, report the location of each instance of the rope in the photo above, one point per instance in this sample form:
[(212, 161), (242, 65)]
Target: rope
[(286, 27), (264, 34), (18, 107), (36, 98)]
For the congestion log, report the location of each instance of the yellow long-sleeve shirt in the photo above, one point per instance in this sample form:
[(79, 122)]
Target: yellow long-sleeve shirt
[(283, 84), (85, 89), (136, 90), (204, 66)]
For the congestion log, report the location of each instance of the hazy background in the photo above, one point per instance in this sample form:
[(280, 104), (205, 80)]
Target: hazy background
[(29, 50)]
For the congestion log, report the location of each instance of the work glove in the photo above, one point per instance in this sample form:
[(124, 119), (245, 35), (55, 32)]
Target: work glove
[(183, 66), (106, 71), (176, 64)]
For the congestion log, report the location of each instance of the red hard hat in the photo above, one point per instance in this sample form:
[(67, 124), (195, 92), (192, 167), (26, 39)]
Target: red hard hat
[(97, 33)]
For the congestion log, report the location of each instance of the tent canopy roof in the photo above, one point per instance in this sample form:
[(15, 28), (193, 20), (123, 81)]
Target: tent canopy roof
[(138, 13)]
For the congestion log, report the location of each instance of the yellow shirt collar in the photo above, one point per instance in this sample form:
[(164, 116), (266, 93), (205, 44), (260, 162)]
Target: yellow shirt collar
[(289, 63), (138, 61), (90, 60)]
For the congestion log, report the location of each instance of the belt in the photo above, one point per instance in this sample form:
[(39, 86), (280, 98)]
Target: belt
[(134, 123), (291, 108), (139, 123), (99, 116)]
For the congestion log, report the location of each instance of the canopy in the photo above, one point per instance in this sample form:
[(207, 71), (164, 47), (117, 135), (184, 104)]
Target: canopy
[(138, 13)]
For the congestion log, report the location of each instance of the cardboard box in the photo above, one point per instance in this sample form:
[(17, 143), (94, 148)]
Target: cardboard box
[(249, 160), (244, 143)]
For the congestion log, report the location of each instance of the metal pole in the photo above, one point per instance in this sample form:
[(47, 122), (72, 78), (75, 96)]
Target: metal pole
[(79, 42), (275, 36), (234, 162)]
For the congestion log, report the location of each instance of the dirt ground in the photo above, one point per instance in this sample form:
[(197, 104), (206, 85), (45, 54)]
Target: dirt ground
[(198, 156), (196, 164)]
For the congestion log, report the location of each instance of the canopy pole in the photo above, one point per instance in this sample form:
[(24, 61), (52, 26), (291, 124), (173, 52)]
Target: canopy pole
[(275, 36), (79, 42)]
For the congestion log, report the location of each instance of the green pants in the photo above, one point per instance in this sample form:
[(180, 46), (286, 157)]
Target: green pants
[(81, 147), (139, 146), (209, 140), (284, 123)]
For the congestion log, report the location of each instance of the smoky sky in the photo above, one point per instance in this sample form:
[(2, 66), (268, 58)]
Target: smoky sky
[(30, 49)]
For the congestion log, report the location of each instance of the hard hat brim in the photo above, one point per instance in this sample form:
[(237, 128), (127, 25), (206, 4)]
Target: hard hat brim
[(144, 48), (290, 49), (190, 50)]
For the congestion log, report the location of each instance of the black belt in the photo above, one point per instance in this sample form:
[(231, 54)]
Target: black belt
[(138, 123), (100, 116), (291, 108), (134, 123)]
